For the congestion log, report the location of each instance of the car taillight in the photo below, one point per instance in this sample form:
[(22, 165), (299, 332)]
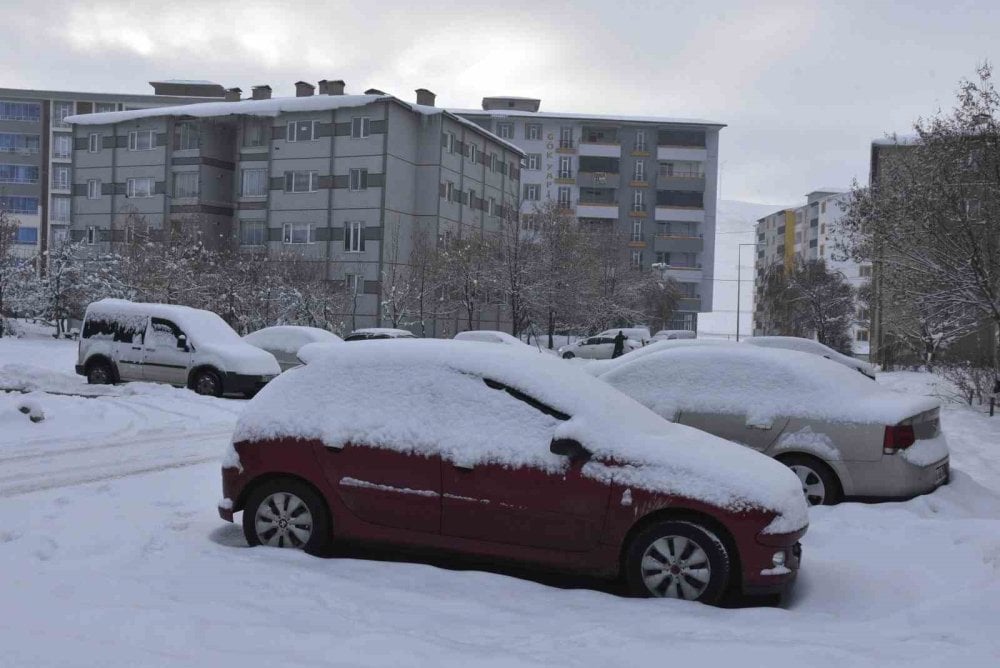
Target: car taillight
[(898, 437)]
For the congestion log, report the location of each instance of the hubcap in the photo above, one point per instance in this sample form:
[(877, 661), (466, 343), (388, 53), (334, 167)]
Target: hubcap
[(99, 375), (206, 384), (812, 484), (676, 567), (283, 520)]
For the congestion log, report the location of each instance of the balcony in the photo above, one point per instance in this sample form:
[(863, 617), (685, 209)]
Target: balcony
[(693, 153), (681, 181), (600, 150), (689, 304), (566, 145), (605, 209), (678, 244), (680, 214), (691, 274), (565, 177), (598, 180)]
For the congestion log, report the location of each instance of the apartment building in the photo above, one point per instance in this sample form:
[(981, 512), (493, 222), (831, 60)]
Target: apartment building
[(809, 233), (655, 180), (344, 181), (36, 150)]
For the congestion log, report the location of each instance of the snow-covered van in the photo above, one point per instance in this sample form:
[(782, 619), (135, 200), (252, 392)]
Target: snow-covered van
[(165, 343)]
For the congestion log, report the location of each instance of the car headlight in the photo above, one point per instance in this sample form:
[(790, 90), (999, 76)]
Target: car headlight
[(778, 558)]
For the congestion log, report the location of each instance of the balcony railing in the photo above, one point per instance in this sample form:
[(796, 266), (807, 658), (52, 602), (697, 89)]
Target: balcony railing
[(597, 202), (637, 236), (566, 143), (682, 174), (565, 174)]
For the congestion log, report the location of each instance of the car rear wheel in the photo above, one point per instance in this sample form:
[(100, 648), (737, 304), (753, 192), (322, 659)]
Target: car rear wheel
[(99, 372), (568, 356), (819, 484), (287, 513), (675, 559), (207, 382)]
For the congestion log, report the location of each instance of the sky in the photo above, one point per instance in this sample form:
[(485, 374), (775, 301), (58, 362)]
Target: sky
[(802, 86)]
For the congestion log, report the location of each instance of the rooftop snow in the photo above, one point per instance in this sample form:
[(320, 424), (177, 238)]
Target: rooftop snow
[(502, 113), (191, 82), (273, 107)]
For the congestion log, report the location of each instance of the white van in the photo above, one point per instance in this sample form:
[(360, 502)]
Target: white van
[(163, 343)]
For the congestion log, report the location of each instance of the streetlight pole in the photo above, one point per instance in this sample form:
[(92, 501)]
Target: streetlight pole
[(739, 283)]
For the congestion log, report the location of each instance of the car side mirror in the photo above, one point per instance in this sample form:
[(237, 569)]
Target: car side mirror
[(570, 448), (182, 343)]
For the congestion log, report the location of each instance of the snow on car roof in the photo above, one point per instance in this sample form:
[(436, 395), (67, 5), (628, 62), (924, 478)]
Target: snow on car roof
[(386, 394), (289, 338), (203, 325), (761, 383), (806, 346), (383, 330), (489, 336)]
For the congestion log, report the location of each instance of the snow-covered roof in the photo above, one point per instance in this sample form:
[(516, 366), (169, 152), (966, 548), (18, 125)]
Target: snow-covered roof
[(273, 107), (429, 396), (503, 113), (189, 82), (760, 383)]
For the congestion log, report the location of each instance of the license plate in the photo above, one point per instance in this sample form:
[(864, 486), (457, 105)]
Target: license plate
[(941, 474)]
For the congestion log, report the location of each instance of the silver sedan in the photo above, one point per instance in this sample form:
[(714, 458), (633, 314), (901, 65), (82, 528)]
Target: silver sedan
[(843, 435)]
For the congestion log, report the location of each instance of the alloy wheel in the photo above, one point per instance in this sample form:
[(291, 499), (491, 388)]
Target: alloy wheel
[(812, 484), (283, 520), (676, 567)]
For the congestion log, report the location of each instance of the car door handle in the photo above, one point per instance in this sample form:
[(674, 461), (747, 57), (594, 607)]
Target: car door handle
[(462, 467)]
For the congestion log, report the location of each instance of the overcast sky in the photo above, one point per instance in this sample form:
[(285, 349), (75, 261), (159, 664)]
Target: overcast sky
[(803, 86)]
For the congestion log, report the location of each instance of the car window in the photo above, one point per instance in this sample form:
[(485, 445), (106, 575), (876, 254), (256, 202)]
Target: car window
[(593, 341), (126, 334), (163, 333)]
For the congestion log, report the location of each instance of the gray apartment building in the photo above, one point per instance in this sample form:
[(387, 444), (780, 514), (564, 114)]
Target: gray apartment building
[(656, 179), (330, 178), (36, 150)]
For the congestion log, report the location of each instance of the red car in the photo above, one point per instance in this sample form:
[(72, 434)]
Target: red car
[(474, 449)]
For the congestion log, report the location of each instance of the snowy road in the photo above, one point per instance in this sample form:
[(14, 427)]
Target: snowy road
[(134, 568)]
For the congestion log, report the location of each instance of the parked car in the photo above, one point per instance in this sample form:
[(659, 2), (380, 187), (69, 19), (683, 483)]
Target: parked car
[(844, 436), (600, 347), (640, 334), (369, 333), (812, 347), (491, 336), (672, 334), (481, 450), (164, 343), (285, 341)]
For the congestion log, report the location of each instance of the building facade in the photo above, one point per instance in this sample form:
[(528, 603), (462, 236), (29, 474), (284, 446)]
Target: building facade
[(36, 150), (809, 233), (654, 179), (347, 182)]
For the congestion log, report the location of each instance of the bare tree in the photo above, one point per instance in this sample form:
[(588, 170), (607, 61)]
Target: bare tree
[(11, 267)]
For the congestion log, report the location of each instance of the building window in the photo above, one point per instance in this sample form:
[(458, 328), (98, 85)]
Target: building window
[(640, 140), (20, 111), (565, 167), (300, 131), (491, 210), (27, 236), (564, 197), (531, 192), (493, 162), (186, 137), (358, 179), (449, 142), (60, 177), (18, 174), (638, 200), (636, 230), (256, 132), (505, 130), (104, 107), (60, 110), (534, 161), (94, 142), (861, 336), (139, 187), (473, 153), (297, 233), (91, 235), (301, 182), (533, 131), (566, 137), (62, 146), (354, 237), (683, 168), (253, 232), (354, 284), (17, 143), (93, 189), (254, 182), (360, 127), (449, 191), (635, 259), (26, 205), (640, 171), (472, 198), (141, 140), (186, 184), (60, 210)]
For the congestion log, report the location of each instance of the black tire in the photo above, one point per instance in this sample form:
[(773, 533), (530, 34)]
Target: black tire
[(647, 544), (100, 372), (320, 538), (568, 356), (811, 471), (207, 382)]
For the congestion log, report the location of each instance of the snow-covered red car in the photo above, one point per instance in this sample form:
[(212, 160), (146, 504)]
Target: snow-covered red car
[(482, 450)]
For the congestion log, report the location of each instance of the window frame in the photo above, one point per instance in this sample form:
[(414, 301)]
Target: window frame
[(363, 127), (292, 136), (505, 130), (94, 142), (639, 171), (529, 127), (133, 140), (312, 181), (187, 175), (93, 189), (258, 225), (362, 179), (244, 172), (288, 231), (354, 236), (130, 187)]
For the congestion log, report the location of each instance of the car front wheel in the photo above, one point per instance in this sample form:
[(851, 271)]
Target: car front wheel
[(287, 513), (208, 382), (677, 559), (568, 356), (100, 373)]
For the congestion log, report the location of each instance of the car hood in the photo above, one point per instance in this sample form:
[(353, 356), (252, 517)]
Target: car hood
[(242, 358)]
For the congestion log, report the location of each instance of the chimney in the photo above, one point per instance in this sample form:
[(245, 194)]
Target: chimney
[(335, 87), (425, 97), (374, 91), (262, 92), (233, 94), (303, 89)]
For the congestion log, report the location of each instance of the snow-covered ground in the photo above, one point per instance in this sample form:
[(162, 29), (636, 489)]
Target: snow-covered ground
[(111, 553)]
